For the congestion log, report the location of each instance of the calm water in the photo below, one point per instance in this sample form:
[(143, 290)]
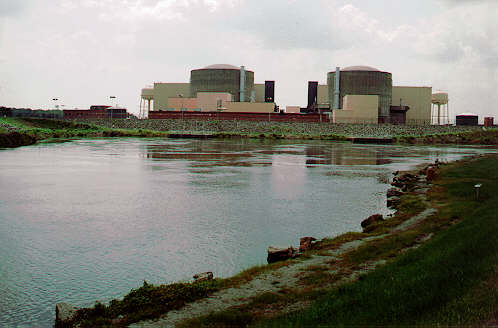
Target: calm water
[(89, 220)]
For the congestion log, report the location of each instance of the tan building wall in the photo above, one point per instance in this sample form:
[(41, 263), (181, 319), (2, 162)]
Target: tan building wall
[(208, 101), (419, 101), (260, 92), (357, 109), (163, 91), (178, 103), (292, 109), (322, 94), (249, 107)]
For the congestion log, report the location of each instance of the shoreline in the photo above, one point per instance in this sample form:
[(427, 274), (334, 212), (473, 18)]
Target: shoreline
[(22, 132), (273, 278)]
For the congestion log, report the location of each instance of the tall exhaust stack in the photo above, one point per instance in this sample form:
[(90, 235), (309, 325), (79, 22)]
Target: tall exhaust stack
[(312, 94), (337, 89), (269, 91), (242, 83)]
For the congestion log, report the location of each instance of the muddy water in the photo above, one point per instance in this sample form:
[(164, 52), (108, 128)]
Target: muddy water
[(89, 220)]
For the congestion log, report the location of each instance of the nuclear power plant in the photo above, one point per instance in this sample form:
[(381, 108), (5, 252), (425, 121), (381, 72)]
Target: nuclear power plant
[(355, 94)]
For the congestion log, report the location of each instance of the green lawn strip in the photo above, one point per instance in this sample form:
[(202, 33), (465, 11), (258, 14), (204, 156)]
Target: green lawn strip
[(146, 302), (246, 314), (151, 301), (445, 281), (482, 137)]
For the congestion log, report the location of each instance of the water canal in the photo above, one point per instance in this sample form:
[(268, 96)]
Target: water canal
[(90, 219)]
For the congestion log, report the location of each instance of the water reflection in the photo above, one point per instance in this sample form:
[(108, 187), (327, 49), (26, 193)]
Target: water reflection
[(201, 153), (91, 219), (345, 154)]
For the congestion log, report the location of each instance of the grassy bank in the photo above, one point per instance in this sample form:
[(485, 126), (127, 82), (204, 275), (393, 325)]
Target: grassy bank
[(15, 132), (450, 280), (479, 137)]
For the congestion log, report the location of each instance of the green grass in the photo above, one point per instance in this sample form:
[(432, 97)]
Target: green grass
[(146, 302), (31, 130), (446, 281), (151, 301), (481, 137)]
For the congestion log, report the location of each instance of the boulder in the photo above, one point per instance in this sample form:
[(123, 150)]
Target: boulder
[(203, 276), (430, 173), (394, 192), (306, 243), (376, 218), (276, 254), (392, 202), (64, 313)]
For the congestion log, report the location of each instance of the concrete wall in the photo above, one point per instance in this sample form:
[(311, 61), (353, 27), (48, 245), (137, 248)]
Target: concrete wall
[(259, 88), (322, 94), (357, 109), (239, 107), (162, 91), (419, 101)]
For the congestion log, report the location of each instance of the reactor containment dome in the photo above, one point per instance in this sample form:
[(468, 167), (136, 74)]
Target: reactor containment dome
[(362, 80), (223, 78)]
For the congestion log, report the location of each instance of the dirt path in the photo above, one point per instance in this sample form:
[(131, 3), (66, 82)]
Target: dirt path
[(287, 277)]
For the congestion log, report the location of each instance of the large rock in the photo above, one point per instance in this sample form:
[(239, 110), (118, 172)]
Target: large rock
[(306, 243), (276, 254), (373, 219), (394, 192), (203, 276), (392, 202), (430, 173), (64, 313)]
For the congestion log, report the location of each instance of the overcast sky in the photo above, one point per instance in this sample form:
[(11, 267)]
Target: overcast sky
[(84, 51)]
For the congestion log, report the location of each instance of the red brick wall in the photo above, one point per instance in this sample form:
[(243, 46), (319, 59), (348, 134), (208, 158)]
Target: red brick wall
[(274, 117)]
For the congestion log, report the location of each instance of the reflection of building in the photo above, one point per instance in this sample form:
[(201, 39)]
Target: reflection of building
[(213, 88), (342, 155)]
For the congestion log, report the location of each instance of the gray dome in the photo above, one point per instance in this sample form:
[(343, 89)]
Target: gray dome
[(359, 68), (221, 66)]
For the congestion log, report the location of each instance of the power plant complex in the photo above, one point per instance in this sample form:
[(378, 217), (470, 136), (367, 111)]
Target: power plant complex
[(355, 94)]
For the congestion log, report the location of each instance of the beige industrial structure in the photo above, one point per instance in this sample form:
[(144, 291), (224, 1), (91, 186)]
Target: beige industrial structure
[(355, 94)]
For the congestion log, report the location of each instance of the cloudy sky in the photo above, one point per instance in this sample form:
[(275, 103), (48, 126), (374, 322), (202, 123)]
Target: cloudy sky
[(84, 51)]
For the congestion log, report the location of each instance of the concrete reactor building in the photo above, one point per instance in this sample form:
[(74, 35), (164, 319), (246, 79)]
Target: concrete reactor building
[(218, 87), (355, 94), (363, 94)]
